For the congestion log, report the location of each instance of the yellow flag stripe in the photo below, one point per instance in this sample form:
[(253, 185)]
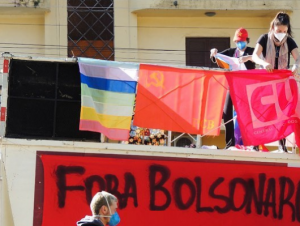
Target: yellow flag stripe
[(108, 121)]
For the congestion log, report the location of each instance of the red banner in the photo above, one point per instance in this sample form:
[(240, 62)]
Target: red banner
[(170, 191), (5, 65), (182, 100), (267, 105), (2, 114)]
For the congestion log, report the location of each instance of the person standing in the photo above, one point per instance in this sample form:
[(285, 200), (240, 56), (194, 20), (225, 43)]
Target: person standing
[(104, 209), (244, 53), (276, 47)]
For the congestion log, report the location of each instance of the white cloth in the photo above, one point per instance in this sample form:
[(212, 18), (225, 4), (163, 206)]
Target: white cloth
[(233, 62)]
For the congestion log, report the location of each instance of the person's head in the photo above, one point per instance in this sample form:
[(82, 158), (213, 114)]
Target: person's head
[(281, 25), (241, 38), (104, 206)]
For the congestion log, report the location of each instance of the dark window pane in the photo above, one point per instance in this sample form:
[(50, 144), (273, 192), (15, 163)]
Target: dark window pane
[(44, 101), (29, 79), (67, 123), (198, 50), (29, 118), (68, 82)]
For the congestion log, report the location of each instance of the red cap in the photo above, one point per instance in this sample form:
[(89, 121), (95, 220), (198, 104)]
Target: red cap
[(241, 34)]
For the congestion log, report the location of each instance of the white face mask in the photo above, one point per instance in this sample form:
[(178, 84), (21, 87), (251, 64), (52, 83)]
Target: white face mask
[(280, 36)]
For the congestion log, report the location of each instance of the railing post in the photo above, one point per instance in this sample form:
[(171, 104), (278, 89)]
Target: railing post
[(4, 95), (169, 138)]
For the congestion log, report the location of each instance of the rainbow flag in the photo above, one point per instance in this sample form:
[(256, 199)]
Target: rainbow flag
[(107, 96)]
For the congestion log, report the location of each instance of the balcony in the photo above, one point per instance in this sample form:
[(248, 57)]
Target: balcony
[(223, 8), (24, 7)]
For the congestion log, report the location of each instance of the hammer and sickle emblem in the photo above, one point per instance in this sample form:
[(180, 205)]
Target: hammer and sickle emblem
[(156, 79)]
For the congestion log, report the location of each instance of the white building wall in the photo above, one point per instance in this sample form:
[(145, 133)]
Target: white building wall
[(19, 162)]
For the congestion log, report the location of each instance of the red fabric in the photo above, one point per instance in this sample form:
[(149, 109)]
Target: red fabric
[(182, 100), (214, 185), (5, 66), (267, 104)]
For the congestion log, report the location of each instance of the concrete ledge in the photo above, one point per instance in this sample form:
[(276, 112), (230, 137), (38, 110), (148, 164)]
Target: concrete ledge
[(24, 145)]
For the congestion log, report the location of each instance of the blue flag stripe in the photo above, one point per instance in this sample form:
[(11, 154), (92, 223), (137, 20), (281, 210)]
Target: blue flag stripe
[(109, 85)]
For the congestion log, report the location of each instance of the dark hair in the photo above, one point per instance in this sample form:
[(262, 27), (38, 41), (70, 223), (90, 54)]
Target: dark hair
[(282, 18), (248, 40)]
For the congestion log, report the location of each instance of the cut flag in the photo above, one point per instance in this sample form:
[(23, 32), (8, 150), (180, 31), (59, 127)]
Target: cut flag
[(230, 63), (266, 103), (182, 100), (107, 96)]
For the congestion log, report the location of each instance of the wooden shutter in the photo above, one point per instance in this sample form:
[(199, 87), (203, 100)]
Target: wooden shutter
[(198, 50)]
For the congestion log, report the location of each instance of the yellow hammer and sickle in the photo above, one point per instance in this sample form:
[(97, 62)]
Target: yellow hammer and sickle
[(157, 79)]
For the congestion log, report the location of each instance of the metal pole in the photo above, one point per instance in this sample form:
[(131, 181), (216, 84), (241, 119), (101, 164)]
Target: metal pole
[(199, 141), (169, 138)]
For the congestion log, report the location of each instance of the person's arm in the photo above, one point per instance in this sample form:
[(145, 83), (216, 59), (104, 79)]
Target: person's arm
[(255, 57), (296, 57), (244, 59), (248, 57), (214, 51)]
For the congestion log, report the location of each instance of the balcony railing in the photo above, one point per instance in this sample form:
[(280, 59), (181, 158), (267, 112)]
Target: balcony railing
[(197, 8), (24, 6)]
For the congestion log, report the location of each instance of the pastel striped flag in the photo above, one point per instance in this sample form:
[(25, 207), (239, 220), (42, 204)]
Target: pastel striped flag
[(107, 96)]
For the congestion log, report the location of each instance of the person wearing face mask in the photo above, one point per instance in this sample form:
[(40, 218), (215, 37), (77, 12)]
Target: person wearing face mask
[(244, 53), (276, 47), (104, 209)]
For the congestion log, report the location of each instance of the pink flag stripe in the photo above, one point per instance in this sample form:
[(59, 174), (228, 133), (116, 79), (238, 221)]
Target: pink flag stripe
[(114, 134), (113, 73)]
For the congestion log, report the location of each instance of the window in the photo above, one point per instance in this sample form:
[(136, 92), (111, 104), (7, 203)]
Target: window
[(198, 50), (91, 29)]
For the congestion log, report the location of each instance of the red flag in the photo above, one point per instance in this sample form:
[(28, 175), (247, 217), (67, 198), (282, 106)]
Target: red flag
[(266, 104), (182, 100)]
